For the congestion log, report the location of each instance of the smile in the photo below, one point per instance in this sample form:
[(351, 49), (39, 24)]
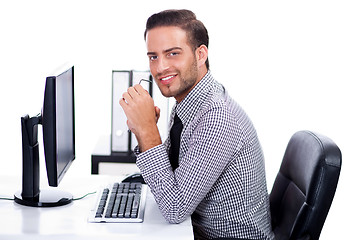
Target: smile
[(167, 79)]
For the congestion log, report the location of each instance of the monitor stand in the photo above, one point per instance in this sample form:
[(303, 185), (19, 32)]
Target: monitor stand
[(31, 194), (46, 198)]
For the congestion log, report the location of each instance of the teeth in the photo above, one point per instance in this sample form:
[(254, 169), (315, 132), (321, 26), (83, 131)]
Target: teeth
[(167, 78)]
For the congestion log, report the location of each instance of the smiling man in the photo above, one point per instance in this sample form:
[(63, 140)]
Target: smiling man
[(216, 175)]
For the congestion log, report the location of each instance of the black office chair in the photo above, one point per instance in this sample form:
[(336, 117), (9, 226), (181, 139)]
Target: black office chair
[(305, 186)]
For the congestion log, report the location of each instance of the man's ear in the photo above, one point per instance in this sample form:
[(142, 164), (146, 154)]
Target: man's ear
[(201, 55)]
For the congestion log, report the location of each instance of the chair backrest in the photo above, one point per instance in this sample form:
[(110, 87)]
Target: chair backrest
[(305, 186)]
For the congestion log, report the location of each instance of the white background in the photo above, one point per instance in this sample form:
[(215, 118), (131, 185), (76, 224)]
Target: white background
[(292, 65)]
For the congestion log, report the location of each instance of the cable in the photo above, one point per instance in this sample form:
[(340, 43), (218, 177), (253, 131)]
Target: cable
[(2, 198), (75, 199)]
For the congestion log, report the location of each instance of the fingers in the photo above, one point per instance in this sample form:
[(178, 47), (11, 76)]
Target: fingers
[(137, 98), (140, 90), (128, 96), (123, 103), (133, 92), (137, 90)]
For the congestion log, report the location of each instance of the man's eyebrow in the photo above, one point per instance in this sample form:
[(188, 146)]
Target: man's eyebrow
[(165, 51), (151, 53), (172, 49)]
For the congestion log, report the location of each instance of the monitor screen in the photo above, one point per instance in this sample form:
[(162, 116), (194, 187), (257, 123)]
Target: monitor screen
[(59, 125)]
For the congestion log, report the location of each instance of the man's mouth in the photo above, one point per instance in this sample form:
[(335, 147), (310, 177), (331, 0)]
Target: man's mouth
[(167, 79)]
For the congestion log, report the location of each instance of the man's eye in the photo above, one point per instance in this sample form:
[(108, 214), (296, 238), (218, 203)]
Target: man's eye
[(173, 53), (152, 58)]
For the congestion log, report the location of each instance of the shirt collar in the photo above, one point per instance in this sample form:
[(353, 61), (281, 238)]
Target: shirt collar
[(190, 105)]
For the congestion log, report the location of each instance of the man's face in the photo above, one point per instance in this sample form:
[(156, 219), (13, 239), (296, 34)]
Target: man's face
[(172, 61)]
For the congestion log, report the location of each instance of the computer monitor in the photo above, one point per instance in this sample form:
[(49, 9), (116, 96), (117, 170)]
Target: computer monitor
[(58, 121)]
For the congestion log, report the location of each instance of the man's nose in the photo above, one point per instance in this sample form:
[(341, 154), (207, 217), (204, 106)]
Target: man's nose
[(162, 65)]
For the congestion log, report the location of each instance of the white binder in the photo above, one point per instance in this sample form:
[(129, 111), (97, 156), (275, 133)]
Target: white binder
[(119, 129)]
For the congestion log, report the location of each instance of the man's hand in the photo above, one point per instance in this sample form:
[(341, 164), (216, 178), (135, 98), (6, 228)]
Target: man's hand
[(142, 116)]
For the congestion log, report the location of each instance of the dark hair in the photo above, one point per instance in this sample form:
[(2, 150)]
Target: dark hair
[(184, 19)]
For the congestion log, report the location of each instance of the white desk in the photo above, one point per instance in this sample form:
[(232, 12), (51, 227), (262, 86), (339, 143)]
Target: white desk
[(70, 221)]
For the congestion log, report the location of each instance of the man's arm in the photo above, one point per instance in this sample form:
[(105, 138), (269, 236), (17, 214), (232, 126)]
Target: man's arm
[(209, 149)]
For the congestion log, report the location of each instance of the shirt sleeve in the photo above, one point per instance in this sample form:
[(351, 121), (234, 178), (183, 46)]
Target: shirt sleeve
[(207, 146)]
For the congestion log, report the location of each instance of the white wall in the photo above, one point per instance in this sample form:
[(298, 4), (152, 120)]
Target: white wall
[(291, 65)]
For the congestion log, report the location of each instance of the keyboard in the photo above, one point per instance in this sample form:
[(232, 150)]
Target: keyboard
[(120, 202)]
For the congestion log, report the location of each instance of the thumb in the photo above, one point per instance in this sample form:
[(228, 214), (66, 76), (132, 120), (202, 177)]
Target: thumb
[(157, 113)]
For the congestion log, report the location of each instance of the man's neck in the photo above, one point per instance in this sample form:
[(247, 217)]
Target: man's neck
[(201, 75)]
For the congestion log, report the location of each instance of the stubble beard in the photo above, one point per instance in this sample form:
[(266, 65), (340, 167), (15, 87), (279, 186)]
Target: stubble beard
[(187, 82)]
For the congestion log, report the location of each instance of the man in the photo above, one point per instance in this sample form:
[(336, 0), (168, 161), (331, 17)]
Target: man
[(218, 176)]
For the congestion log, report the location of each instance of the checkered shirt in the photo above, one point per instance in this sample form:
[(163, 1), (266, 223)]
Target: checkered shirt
[(220, 181)]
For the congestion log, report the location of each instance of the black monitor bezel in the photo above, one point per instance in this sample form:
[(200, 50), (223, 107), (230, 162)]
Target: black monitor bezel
[(54, 174)]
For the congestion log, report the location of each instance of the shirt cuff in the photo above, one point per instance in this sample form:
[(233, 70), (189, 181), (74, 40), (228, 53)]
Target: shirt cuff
[(153, 160)]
